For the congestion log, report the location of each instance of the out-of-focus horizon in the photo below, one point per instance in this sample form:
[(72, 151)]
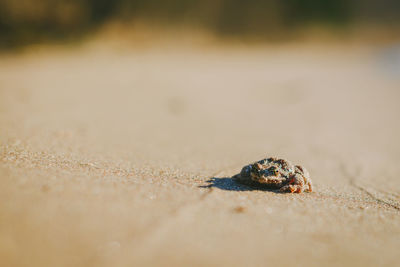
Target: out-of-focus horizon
[(24, 22)]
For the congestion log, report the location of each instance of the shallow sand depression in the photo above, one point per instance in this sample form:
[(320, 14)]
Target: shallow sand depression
[(124, 157)]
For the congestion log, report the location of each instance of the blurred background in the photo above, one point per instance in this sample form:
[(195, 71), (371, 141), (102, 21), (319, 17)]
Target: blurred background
[(30, 21)]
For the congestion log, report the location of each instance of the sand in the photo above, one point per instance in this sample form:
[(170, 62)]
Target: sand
[(123, 157)]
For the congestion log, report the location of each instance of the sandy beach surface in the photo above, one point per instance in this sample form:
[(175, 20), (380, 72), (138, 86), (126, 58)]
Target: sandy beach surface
[(123, 157)]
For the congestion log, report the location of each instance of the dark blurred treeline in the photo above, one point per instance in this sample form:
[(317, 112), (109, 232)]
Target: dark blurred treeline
[(26, 21)]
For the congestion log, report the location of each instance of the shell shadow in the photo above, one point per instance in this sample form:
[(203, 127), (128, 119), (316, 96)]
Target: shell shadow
[(229, 184)]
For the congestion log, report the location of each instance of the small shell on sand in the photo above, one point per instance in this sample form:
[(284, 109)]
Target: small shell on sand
[(276, 174)]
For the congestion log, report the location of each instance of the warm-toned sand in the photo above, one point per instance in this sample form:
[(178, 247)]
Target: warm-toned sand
[(123, 158)]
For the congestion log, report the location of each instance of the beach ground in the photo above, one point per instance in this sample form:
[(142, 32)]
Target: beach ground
[(123, 157)]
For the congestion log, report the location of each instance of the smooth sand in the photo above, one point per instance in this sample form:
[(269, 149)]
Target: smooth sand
[(123, 157)]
